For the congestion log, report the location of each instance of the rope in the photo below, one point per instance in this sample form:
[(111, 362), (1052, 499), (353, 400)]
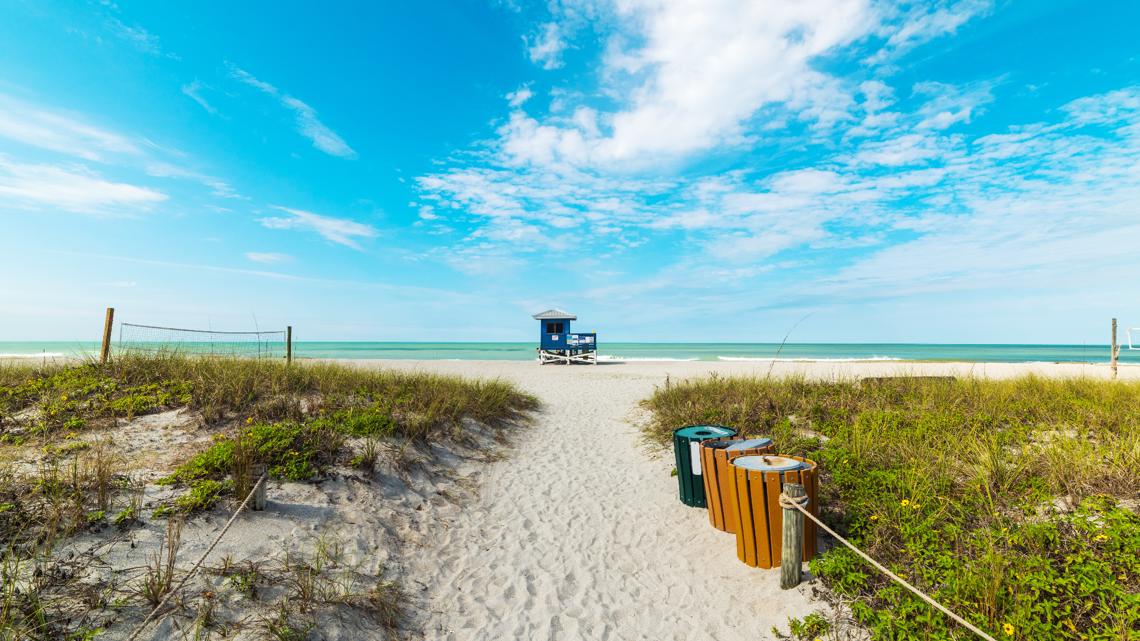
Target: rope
[(202, 559), (789, 502), (199, 331), (799, 502)]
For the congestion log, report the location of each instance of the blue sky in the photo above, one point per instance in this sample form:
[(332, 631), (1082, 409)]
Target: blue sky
[(689, 170)]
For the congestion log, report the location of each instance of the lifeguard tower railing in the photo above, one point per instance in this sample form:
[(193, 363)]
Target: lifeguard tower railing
[(569, 347)]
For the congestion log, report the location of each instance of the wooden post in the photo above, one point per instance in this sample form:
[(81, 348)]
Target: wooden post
[(1115, 349), (791, 563), (257, 503), (289, 345), (105, 351)]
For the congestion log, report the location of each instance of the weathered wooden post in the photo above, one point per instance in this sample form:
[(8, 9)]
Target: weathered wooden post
[(257, 503), (105, 350), (1115, 349), (289, 345), (791, 561)]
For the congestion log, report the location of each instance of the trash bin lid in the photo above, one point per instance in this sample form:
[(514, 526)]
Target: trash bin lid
[(705, 431), (749, 444), (764, 463)]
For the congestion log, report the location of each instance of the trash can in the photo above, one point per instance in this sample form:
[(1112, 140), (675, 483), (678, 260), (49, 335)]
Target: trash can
[(686, 449), (756, 483), (716, 455)]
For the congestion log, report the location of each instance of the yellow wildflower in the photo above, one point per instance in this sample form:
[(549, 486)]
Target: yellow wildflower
[(1008, 630), (904, 502), (1071, 626), (63, 398), (1100, 537), (874, 517), (914, 506), (249, 421)]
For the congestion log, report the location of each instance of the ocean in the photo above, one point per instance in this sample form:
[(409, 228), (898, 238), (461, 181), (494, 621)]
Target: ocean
[(524, 351)]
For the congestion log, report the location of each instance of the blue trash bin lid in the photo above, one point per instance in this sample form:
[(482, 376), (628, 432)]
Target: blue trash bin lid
[(705, 431), (749, 444), (764, 463)]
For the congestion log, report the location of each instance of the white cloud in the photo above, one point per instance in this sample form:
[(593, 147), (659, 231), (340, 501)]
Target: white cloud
[(545, 48), (884, 191), (950, 104), (308, 125), (60, 132), (268, 258), (694, 74), (71, 188), (140, 38), (193, 91), (218, 187), (519, 96), (925, 22), (338, 230)]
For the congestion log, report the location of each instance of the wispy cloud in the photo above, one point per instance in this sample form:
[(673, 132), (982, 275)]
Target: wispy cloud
[(193, 91), (139, 38), (923, 22), (268, 258), (308, 125), (338, 230), (218, 187), (71, 188), (61, 132)]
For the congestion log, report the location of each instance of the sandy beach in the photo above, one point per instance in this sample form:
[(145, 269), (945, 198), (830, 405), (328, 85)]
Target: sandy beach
[(578, 533), (573, 531)]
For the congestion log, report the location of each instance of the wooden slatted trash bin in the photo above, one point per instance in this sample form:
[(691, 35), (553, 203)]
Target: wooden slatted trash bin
[(686, 450), (715, 458), (756, 483)]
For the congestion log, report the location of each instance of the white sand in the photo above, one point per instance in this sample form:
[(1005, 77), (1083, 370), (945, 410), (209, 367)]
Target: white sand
[(580, 534), (577, 534)]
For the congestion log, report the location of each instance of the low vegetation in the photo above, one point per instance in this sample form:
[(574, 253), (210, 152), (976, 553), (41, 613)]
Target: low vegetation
[(1013, 503), (298, 423)]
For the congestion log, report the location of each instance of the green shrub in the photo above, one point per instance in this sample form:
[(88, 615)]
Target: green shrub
[(952, 485)]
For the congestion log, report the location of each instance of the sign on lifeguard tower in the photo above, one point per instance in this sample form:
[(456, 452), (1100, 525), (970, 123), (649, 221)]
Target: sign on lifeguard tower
[(557, 344)]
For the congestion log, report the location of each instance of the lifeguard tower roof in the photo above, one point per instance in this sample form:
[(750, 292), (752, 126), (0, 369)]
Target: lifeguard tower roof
[(554, 314)]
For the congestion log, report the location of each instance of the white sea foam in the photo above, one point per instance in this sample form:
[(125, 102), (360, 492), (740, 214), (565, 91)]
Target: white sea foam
[(37, 355), (804, 359), (647, 359)]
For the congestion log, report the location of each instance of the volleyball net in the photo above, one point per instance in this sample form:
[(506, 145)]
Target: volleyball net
[(153, 339)]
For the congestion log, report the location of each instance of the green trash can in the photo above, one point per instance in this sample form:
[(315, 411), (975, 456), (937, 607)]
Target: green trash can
[(687, 450)]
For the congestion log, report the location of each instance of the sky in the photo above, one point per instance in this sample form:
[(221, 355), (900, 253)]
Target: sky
[(684, 170)]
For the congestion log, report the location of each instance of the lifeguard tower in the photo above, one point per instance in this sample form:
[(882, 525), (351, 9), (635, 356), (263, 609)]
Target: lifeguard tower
[(557, 344)]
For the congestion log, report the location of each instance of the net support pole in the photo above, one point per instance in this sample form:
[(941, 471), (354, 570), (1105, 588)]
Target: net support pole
[(791, 563), (289, 345), (1115, 349), (108, 322)]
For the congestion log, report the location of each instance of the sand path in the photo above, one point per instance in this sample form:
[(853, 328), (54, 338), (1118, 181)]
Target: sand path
[(580, 535)]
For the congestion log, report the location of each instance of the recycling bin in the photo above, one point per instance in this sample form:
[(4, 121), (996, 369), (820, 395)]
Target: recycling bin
[(686, 449), (756, 483), (716, 456)]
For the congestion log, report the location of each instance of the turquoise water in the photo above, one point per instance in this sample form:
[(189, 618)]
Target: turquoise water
[(653, 351)]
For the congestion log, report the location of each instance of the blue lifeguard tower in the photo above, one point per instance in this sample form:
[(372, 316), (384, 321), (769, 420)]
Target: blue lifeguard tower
[(557, 344)]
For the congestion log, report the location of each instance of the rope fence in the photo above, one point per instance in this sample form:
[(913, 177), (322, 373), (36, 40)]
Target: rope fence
[(798, 503), (161, 604)]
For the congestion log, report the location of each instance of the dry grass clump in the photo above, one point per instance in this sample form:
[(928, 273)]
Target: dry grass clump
[(1012, 502), (295, 422)]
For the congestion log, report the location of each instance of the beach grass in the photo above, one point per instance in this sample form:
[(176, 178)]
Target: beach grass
[(299, 421), (1012, 502)]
